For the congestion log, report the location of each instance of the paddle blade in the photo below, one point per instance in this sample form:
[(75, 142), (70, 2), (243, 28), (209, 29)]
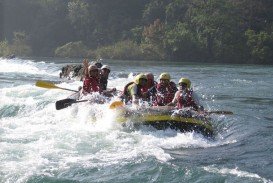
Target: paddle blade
[(116, 104), (61, 104), (49, 85), (45, 84)]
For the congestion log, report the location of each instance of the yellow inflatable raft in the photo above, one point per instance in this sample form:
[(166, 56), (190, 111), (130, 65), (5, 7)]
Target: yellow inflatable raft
[(165, 119)]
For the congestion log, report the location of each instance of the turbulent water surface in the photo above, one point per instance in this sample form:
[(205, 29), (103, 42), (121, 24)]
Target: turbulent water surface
[(83, 143)]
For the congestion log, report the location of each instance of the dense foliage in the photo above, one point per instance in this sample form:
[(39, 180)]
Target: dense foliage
[(183, 30)]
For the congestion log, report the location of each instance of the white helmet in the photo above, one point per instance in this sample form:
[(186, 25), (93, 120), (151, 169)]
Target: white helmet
[(92, 67), (105, 67)]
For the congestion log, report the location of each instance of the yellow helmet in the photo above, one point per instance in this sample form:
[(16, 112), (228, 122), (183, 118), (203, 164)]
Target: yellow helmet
[(186, 81), (165, 76), (140, 76)]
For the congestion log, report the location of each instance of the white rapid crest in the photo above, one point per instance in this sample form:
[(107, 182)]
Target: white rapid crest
[(25, 67)]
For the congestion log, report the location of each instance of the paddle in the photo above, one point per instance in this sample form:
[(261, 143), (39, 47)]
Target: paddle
[(116, 104), (61, 104), (219, 112), (49, 85)]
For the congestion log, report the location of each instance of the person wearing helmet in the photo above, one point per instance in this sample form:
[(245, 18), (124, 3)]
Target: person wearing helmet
[(97, 63), (149, 90), (104, 74), (165, 90), (150, 82), (185, 97), (91, 82), (132, 91)]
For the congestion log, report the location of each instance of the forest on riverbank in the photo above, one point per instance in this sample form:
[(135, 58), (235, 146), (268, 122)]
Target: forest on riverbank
[(174, 30)]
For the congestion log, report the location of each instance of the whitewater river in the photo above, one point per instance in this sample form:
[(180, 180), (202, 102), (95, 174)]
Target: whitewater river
[(83, 143)]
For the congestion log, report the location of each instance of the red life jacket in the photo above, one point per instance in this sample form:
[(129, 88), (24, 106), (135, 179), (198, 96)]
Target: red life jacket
[(185, 100), (165, 94), (148, 94), (91, 84), (146, 87)]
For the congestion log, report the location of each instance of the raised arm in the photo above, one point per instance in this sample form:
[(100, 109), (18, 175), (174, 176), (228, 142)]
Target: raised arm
[(85, 67)]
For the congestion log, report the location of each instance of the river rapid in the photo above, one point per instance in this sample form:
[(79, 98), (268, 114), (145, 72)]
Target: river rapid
[(83, 143)]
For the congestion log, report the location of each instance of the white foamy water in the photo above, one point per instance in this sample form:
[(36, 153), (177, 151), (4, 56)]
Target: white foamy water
[(24, 67)]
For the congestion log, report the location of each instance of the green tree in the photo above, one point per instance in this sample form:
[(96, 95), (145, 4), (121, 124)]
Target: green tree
[(81, 20), (256, 14), (153, 40), (44, 21), (183, 43), (213, 30), (51, 27), (177, 11), (218, 28), (19, 45), (121, 50), (154, 10), (72, 49), (136, 34), (260, 45)]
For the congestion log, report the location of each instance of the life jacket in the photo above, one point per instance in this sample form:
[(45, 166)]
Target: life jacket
[(146, 87), (91, 84), (185, 99), (149, 91), (103, 83), (126, 95), (164, 94)]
